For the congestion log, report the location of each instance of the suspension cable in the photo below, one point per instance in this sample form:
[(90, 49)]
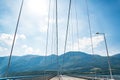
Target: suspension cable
[(72, 35), (14, 38), (52, 32), (90, 29), (48, 24), (66, 37), (57, 40), (77, 25), (52, 44)]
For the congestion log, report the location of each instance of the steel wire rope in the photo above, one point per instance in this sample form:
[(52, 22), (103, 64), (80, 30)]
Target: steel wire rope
[(76, 16), (48, 25), (90, 31), (72, 33), (66, 35), (14, 38), (56, 20), (52, 38), (72, 29)]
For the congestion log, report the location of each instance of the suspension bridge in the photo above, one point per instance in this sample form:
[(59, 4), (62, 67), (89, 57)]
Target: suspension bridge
[(58, 75)]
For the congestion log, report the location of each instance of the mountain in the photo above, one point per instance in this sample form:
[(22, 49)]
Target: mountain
[(73, 61)]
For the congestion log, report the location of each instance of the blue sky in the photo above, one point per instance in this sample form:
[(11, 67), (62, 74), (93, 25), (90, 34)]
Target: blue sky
[(31, 36)]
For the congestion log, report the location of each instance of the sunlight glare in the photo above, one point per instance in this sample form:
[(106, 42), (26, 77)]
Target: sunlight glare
[(37, 7)]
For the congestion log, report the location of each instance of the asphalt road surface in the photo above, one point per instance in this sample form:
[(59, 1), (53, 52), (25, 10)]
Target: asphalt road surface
[(64, 77)]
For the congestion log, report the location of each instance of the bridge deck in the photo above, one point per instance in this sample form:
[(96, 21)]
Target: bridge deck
[(64, 77)]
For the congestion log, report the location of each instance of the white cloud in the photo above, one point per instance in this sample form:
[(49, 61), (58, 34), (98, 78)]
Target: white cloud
[(7, 38), (29, 50), (22, 36), (43, 28), (85, 43), (3, 49), (97, 40)]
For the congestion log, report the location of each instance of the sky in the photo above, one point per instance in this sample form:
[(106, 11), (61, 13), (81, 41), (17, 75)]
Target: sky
[(33, 25)]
